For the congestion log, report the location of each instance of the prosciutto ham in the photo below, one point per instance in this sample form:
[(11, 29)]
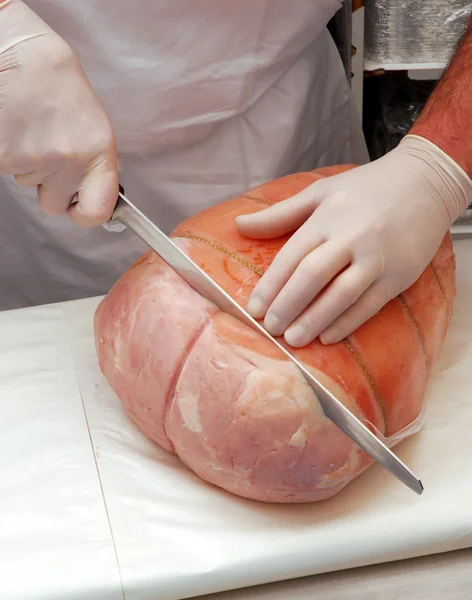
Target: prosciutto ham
[(204, 386)]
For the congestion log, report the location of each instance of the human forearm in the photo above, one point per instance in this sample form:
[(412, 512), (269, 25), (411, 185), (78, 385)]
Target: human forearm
[(446, 119)]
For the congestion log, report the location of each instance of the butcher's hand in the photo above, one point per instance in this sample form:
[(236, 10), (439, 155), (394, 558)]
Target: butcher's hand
[(361, 238), (54, 132)]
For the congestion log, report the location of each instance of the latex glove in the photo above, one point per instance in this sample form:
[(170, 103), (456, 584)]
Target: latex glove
[(362, 237), (54, 132)]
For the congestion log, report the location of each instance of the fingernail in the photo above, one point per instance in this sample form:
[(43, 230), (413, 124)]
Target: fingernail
[(297, 336), (242, 219), (331, 337), (272, 324), (255, 307)]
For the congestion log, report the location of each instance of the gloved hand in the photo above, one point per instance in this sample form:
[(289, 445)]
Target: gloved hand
[(362, 237), (54, 132)]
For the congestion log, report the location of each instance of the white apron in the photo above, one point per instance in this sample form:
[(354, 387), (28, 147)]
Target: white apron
[(207, 98)]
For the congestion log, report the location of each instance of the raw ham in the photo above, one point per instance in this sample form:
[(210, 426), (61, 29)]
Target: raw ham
[(228, 403)]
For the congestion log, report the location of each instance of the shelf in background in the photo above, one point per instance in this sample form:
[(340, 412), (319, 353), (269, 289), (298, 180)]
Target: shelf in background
[(415, 70)]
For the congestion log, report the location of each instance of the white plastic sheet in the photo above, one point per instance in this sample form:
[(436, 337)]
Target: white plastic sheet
[(90, 509)]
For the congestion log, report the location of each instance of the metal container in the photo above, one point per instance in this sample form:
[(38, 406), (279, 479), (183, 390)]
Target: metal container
[(402, 34)]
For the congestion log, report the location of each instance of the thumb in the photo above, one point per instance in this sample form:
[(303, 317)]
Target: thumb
[(97, 195), (282, 218)]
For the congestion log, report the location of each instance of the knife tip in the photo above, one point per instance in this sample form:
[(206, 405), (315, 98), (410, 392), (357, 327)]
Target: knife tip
[(418, 487)]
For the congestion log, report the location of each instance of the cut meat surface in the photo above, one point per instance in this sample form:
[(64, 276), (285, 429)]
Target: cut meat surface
[(238, 413)]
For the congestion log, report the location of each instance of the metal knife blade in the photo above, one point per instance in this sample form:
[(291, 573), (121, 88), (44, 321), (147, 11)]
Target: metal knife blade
[(132, 218)]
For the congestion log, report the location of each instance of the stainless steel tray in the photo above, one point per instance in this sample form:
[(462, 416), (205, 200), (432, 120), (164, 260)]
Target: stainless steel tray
[(413, 31)]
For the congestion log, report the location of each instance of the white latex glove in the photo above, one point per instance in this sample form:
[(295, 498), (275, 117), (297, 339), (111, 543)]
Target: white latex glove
[(54, 132), (362, 237)]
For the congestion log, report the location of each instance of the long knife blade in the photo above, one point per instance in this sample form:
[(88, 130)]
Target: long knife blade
[(132, 218)]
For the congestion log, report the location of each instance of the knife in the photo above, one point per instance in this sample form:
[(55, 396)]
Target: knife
[(133, 219)]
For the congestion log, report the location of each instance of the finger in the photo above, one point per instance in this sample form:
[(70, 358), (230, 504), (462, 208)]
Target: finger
[(56, 193), (344, 291), (314, 272), (282, 218), (97, 195), (30, 179), (12, 162), (368, 305), (304, 241)]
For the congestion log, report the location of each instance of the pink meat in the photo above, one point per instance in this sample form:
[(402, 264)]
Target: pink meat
[(201, 384)]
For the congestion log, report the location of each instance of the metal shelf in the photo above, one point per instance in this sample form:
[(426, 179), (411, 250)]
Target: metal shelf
[(415, 70)]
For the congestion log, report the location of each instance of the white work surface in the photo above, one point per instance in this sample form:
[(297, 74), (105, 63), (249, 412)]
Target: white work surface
[(89, 509)]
